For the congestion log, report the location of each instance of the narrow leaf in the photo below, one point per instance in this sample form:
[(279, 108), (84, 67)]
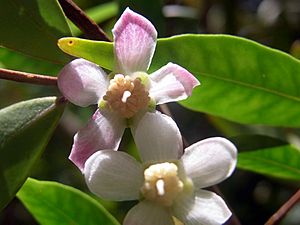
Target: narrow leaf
[(25, 129), (33, 28), (53, 203), (99, 52)]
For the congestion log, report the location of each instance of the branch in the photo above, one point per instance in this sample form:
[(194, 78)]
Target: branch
[(82, 21), (27, 77), (284, 209)]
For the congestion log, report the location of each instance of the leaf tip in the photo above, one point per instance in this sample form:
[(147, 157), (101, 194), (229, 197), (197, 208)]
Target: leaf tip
[(66, 43)]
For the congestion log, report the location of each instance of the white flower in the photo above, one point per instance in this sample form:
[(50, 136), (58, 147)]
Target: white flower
[(166, 184), (125, 94)]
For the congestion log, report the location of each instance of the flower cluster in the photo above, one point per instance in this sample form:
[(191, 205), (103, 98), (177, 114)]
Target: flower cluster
[(167, 182)]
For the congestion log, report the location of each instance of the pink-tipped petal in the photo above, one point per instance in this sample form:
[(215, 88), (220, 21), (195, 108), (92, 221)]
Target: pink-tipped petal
[(209, 161), (134, 42), (171, 83), (103, 131), (82, 82), (204, 207), (148, 213), (157, 137), (114, 175)]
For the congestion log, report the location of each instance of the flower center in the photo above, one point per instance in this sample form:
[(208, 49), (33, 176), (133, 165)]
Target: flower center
[(162, 183), (126, 96)]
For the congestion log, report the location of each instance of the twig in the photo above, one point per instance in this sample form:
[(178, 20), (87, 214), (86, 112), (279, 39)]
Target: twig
[(284, 209), (27, 77), (84, 23), (233, 219)]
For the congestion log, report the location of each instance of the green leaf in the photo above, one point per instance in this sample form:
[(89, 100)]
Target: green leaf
[(16, 61), (280, 162), (99, 14), (33, 28), (99, 52), (25, 129), (53, 203), (251, 142), (242, 81)]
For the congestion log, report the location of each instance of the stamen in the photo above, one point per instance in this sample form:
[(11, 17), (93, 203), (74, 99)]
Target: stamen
[(126, 96), (162, 183)]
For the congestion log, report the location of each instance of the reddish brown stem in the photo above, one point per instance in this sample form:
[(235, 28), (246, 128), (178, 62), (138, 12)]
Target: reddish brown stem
[(284, 209), (27, 77), (82, 21)]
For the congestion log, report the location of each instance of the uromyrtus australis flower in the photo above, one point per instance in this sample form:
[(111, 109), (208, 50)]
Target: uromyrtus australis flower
[(128, 96), (167, 185)]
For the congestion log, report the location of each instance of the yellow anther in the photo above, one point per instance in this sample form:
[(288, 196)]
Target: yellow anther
[(126, 96), (162, 183)]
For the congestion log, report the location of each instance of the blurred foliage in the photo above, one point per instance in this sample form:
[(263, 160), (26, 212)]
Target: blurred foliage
[(254, 198)]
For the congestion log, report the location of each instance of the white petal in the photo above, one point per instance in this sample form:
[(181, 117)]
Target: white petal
[(203, 208), (171, 83), (114, 175), (134, 42), (210, 161), (82, 82), (157, 137), (103, 131), (148, 213)]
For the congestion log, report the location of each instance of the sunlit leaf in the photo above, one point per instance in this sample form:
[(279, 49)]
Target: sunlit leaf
[(25, 129), (99, 52), (53, 203), (33, 28), (241, 80)]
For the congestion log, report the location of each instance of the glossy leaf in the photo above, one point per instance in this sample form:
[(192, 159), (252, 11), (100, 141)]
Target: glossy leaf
[(33, 28), (280, 162), (241, 80), (53, 203), (25, 129)]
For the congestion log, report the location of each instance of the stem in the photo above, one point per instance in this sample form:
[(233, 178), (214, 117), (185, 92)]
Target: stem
[(233, 220), (284, 209), (27, 77), (82, 21)]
